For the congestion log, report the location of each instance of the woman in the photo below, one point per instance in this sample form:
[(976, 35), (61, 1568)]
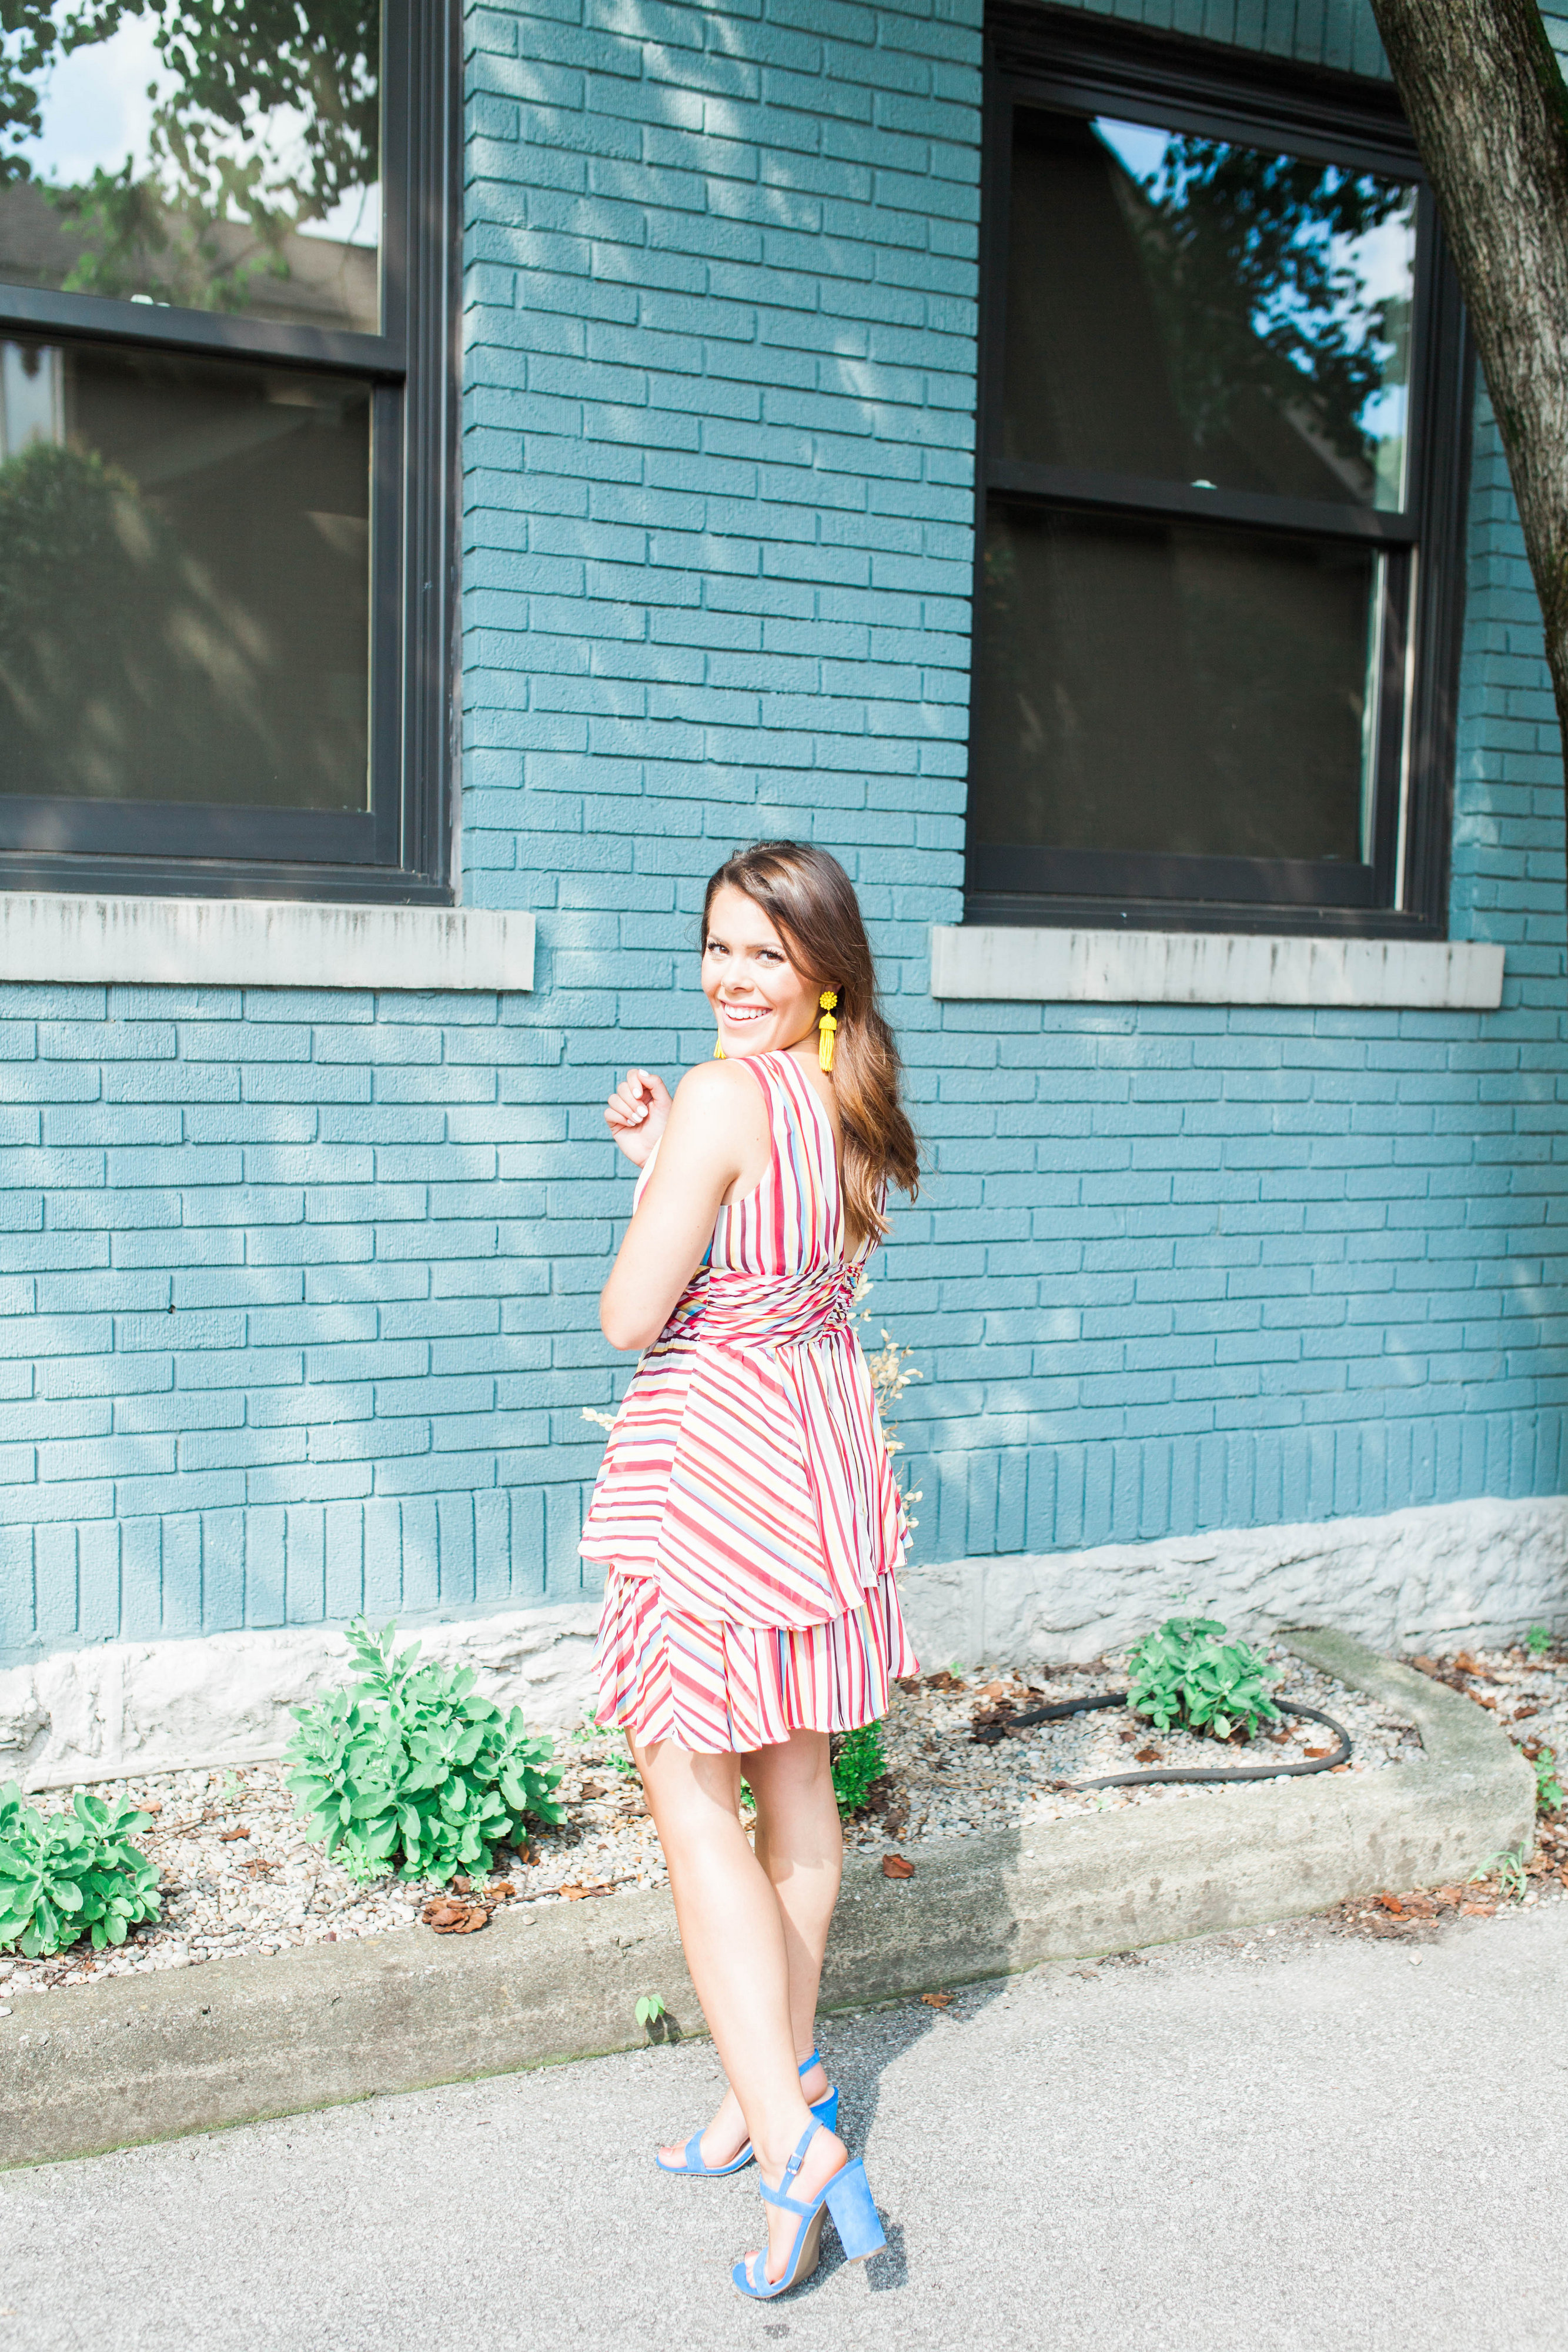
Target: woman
[(747, 1512)]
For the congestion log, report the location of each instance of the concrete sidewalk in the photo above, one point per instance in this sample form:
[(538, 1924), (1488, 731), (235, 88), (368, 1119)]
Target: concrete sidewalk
[(1279, 2139)]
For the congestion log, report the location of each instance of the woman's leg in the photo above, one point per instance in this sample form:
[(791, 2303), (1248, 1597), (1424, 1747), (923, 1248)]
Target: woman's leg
[(800, 1847), (733, 1935)]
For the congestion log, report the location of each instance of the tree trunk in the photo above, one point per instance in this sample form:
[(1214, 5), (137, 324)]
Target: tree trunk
[(1485, 98)]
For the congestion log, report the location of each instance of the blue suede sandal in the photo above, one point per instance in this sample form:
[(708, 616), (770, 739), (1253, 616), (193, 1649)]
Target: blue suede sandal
[(825, 2109), (847, 2197)]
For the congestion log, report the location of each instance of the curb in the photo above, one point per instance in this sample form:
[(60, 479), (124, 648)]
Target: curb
[(148, 2058)]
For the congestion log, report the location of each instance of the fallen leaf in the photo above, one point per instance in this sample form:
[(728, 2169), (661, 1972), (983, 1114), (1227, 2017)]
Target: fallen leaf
[(937, 2000), (1425, 1665), (1148, 1756), (994, 1690), (501, 1891), (450, 1918), (943, 1681), (154, 1805), (227, 1837), (591, 1789), (907, 1683), (1478, 1910), (1521, 1712), (1391, 1903), (1313, 1754), (575, 1893), (1449, 1894), (1464, 1664), (895, 1866)]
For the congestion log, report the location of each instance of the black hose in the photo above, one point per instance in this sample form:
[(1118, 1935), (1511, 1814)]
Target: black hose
[(1059, 1709)]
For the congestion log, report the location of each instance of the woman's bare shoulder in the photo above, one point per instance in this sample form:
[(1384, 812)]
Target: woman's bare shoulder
[(718, 1101)]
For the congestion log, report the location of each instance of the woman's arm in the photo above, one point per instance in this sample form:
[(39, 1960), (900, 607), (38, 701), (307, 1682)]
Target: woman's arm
[(716, 1139)]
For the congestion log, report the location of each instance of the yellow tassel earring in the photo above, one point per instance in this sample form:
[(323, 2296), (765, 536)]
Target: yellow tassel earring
[(718, 1052), (825, 1029)]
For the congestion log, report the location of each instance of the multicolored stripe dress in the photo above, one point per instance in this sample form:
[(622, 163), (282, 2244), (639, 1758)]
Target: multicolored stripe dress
[(747, 1512)]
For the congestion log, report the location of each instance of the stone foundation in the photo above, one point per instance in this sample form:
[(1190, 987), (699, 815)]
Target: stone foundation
[(1430, 1578)]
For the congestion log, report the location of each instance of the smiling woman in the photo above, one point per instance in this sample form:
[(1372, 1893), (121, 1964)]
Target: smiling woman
[(747, 1511)]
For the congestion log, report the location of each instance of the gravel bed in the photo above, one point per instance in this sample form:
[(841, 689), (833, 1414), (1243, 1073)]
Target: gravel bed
[(238, 1876)]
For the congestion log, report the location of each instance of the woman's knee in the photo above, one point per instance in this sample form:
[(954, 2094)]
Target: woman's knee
[(690, 1794)]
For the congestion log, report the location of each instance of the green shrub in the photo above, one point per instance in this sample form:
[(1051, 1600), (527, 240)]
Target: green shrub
[(407, 1760), (67, 1874), (858, 1760), (1187, 1673)]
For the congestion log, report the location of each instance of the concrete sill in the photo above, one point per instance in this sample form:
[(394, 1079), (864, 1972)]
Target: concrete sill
[(1013, 964), (261, 943)]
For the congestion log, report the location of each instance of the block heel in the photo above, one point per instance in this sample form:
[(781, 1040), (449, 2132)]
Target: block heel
[(849, 2198)]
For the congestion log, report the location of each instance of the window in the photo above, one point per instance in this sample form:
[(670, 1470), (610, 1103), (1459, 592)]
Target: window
[(1220, 486), (227, 449)]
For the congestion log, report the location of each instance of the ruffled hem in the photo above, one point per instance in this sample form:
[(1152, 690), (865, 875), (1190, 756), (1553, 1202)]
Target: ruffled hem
[(716, 1688)]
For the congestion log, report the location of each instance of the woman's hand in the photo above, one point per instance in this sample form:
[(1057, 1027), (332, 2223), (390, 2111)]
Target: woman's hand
[(635, 1114)]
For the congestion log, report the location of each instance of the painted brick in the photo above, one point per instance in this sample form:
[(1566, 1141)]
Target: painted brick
[(1171, 1269)]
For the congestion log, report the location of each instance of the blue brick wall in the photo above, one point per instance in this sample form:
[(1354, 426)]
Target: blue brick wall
[(1171, 1270)]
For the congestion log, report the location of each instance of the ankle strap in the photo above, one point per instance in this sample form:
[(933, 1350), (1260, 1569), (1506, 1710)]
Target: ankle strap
[(807, 2064), (780, 2196)]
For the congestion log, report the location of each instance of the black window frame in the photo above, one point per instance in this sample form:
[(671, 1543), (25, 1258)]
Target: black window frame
[(400, 850), (1047, 56)]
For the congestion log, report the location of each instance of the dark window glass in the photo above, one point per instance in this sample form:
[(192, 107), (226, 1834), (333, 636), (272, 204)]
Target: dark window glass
[(1221, 472), (218, 158), (1205, 311), (228, 309), (185, 580), (1165, 686)]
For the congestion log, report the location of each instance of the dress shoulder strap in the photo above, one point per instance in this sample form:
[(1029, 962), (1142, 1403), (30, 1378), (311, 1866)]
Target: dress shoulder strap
[(804, 1156)]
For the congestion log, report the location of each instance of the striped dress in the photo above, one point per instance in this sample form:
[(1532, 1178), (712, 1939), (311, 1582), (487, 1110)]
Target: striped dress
[(747, 1512)]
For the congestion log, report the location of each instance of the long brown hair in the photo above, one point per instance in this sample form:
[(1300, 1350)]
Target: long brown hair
[(811, 902)]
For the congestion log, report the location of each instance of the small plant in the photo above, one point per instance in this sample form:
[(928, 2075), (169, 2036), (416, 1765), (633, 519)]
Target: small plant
[(1508, 1869), (858, 1760), (1187, 1673), (67, 1874), (650, 2012), (891, 1373), (409, 1760), (1549, 1790), (1538, 1641)]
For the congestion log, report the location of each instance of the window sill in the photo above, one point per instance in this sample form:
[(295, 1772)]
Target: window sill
[(261, 943), (1071, 967)]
